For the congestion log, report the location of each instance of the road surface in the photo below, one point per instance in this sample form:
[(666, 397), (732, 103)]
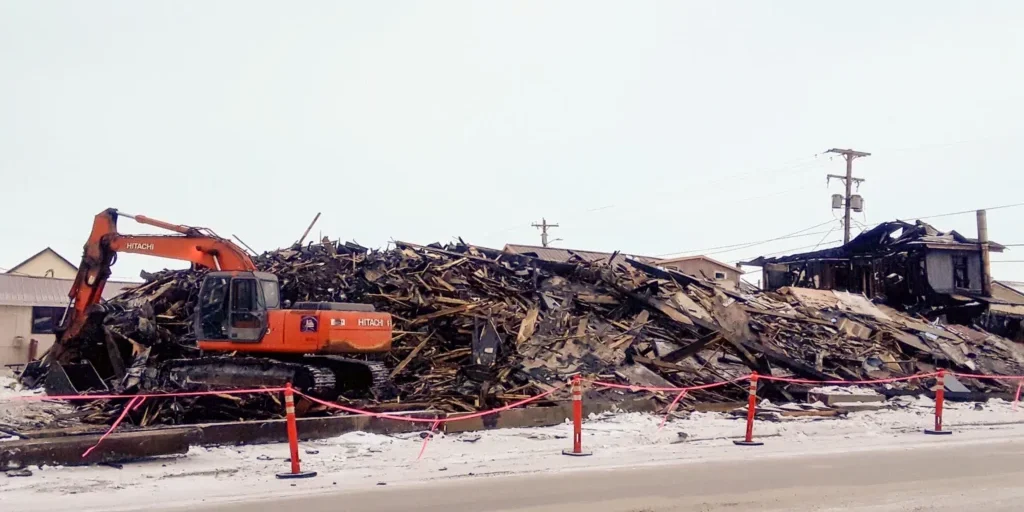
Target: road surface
[(983, 476)]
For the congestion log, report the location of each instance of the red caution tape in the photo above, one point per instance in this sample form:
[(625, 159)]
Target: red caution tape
[(434, 422), (361, 412), (993, 377), (671, 407), (847, 382), (430, 435), (648, 388), (136, 401)]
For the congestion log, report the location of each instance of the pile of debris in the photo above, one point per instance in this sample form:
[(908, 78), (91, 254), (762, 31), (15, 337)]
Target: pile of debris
[(476, 328)]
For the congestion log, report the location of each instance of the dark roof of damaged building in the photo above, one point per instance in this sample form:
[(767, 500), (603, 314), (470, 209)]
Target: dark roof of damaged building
[(884, 239)]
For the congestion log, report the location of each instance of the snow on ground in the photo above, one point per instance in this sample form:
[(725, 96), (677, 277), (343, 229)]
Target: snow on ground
[(9, 386), (361, 460), (845, 390), (24, 414)]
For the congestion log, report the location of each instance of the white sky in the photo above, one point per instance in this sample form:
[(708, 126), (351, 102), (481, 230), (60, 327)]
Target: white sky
[(645, 127)]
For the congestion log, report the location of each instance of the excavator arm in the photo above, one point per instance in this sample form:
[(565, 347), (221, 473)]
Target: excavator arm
[(200, 246)]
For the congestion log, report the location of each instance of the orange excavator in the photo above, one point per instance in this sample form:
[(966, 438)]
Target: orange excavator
[(239, 311)]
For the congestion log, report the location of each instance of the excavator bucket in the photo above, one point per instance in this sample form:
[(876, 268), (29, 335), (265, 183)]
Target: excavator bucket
[(73, 379)]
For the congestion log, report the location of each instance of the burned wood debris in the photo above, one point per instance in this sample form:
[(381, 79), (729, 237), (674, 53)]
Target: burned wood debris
[(475, 328)]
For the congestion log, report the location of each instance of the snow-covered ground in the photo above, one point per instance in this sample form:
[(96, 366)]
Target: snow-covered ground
[(23, 415), (360, 460), (846, 390)]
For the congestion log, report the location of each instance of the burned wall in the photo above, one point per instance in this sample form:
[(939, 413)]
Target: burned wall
[(952, 271)]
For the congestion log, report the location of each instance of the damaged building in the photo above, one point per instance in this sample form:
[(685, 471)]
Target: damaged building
[(898, 262), (698, 265), (913, 266)]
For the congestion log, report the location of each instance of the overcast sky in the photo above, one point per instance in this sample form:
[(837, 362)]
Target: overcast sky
[(646, 127)]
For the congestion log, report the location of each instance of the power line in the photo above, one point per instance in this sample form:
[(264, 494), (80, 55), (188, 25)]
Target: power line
[(747, 246), (743, 245), (830, 242), (797, 234), (824, 237), (990, 208), (736, 247), (950, 214)]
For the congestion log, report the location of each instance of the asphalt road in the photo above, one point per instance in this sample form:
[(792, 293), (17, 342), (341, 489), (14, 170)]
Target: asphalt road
[(984, 477)]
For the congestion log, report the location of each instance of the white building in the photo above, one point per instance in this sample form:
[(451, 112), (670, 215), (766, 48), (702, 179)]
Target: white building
[(33, 297)]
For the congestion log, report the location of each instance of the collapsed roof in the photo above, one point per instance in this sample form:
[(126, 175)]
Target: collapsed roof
[(884, 239)]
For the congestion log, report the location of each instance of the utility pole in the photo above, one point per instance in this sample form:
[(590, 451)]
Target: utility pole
[(849, 155), (544, 230)]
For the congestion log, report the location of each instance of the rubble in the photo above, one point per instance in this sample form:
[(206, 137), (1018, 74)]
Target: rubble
[(476, 328)]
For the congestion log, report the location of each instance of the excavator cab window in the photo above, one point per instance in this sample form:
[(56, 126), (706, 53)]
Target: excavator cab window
[(271, 293), (247, 310), (232, 308), (213, 309)]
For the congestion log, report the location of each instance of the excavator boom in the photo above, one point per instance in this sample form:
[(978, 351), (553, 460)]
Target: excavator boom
[(197, 245)]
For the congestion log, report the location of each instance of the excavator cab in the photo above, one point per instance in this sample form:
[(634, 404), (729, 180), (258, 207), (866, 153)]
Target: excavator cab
[(232, 306)]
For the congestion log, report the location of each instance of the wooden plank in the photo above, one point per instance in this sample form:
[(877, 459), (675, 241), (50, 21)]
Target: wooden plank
[(443, 312), (678, 355), (661, 364), (812, 413), (405, 362), (664, 309), (451, 264), (528, 326), (581, 329), (444, 284), (800, 367), (633, 332), (756, 311)]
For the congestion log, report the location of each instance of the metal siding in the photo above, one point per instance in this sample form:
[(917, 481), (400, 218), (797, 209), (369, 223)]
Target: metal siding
[(564, 255), (41, 291), (706, 269), (940, 271), (974, 271), (699, 267)]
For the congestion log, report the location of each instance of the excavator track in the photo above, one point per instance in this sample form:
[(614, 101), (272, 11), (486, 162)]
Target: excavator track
[(324, 376), (371, 376)]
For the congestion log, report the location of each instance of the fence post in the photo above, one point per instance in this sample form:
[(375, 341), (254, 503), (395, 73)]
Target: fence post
[(940, 397), (748, 440), (577, 419), (293, 436)]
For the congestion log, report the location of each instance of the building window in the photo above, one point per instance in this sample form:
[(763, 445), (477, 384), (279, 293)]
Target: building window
[(961, 278), (719, 276), (45, 320)]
